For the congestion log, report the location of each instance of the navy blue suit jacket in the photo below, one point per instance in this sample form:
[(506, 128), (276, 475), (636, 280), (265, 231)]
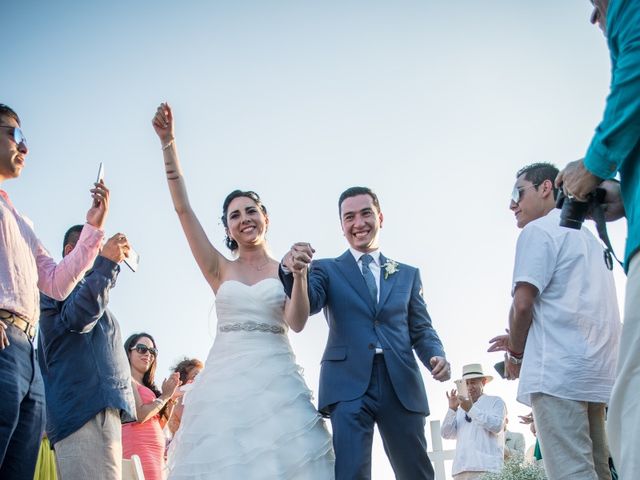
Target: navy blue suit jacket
[(399, 322)]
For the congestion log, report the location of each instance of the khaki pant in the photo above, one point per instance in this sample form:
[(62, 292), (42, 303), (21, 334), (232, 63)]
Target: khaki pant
[(94, 451), (572, 438), (623, 424), (469, 476)]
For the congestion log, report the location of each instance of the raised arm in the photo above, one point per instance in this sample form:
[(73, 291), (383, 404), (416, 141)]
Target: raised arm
[(210, 260), (297, 308), (58, 280)]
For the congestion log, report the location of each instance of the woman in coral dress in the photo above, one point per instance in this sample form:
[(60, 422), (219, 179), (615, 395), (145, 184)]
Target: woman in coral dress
[(145, 438)]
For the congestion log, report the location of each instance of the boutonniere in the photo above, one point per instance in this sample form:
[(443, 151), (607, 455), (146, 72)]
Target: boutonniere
[(390, 267)]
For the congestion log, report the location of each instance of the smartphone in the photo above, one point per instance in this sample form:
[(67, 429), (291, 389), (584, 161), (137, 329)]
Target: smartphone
[(461, 386), (500, 369), (133, 260), (100, 173)]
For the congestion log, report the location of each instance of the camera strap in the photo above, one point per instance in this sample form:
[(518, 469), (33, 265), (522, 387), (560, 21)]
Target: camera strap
[(601, 226)]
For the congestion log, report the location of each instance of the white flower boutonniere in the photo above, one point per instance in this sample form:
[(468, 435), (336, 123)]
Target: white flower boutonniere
[(390, 267)]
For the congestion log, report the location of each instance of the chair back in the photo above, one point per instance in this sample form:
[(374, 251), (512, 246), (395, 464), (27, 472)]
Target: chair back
[(132, 468)]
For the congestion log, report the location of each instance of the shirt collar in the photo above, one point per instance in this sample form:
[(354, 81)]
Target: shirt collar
[(5, 196), (357, 255)]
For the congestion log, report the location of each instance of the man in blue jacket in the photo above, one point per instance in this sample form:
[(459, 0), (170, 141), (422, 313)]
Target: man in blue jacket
[(377, 318), (615, 149), (85, 370)]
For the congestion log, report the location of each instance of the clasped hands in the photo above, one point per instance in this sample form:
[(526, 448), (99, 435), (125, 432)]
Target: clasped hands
[(298, 258)]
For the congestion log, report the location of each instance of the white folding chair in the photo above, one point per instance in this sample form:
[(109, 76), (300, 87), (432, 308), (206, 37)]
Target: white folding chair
[(132, 468)]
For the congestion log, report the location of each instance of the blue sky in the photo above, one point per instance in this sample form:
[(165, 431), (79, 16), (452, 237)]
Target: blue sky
[(433, 104)]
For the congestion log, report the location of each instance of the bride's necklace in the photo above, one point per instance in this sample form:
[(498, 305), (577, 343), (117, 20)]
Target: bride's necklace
[(257, 267)]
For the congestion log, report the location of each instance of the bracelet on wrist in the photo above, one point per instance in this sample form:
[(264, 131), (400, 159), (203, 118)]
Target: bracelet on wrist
[(168, 144), (515, 354)]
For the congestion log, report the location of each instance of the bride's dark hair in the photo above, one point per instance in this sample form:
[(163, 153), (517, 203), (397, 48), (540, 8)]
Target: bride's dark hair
[(230, 242)]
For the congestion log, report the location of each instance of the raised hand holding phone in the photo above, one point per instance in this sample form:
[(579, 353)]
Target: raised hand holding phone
[(97, 214), (461, 386)]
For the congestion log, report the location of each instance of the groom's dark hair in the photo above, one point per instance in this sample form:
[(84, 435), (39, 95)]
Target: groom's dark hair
[(355, 191)]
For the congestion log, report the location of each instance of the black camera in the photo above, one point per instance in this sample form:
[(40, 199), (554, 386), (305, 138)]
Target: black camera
[(573, 212)]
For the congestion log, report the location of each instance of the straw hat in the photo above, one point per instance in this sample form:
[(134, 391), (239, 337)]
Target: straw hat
[(474, 370)]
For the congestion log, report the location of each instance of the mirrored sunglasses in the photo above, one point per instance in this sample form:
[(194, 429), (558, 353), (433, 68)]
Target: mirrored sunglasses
[(516, 193), (142, 349), (18, 136)]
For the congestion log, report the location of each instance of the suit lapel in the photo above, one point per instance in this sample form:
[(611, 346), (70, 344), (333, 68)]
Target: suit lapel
[(385, 283), (349, 268)]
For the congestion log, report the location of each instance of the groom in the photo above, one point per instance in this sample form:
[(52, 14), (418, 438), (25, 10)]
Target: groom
[(377, 318)]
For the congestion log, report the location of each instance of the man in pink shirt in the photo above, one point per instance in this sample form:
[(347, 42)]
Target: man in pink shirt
[(25, 268)]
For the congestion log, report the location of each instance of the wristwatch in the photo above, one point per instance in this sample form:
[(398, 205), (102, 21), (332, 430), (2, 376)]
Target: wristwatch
[(514, 360)]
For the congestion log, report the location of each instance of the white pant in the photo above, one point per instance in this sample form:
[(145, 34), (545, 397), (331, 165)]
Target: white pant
[(572, 438), (623, 423)]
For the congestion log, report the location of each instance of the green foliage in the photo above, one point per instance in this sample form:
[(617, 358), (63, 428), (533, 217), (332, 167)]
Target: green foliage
[(515, 468)]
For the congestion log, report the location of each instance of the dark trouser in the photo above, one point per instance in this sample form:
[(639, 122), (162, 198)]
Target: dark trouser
[(21, 407), (402, 432)]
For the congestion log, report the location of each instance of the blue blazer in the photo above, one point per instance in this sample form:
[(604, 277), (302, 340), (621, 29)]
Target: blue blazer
[(399, 322), (81, 355)]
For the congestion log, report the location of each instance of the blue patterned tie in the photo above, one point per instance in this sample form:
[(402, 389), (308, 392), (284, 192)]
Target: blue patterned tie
[(369, 279)]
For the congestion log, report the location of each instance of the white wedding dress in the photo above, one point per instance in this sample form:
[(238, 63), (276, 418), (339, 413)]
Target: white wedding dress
[(249, 414)]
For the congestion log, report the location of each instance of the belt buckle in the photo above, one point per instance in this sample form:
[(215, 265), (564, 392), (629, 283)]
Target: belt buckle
[(28, 329)]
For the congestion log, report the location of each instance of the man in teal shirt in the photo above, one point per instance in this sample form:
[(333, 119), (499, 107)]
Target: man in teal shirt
[(615, 148)]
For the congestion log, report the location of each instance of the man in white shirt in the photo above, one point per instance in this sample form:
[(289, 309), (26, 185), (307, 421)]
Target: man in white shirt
[(477, 421), (564, 329)]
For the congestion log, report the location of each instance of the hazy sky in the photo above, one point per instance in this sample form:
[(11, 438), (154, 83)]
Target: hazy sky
[(433, 104)]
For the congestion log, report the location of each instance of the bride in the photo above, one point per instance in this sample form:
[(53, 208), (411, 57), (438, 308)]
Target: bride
[(249, 415)]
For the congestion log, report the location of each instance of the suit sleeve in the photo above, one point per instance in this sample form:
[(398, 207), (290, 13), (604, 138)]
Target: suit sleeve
[(86, 304), (424, 339), (317, 281)]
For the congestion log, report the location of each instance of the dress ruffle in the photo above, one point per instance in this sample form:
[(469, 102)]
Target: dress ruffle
[(249, 415)]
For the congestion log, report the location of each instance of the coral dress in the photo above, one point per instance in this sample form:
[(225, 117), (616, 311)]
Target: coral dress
[(146, 440)]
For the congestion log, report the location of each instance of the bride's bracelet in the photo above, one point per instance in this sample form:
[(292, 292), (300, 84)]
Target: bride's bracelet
[(168, 144)]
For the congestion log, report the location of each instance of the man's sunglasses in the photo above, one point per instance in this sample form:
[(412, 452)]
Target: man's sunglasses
[(142, 349), (516, 193), (18, 136)]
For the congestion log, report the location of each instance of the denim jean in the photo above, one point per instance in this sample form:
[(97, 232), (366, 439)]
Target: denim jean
[(22, 412)]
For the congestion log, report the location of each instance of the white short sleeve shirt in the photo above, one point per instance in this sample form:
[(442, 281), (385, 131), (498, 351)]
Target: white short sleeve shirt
[(572, 345)]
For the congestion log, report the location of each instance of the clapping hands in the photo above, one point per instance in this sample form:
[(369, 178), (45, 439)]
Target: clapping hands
[(170, 386), (452, 396)]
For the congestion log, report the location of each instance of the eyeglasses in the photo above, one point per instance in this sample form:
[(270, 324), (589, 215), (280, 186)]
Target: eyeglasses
[(18, 136), (516, 193), (142, 349)]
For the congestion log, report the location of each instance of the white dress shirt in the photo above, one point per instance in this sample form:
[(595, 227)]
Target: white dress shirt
[(480, 443), (26, 268), (572, 344)]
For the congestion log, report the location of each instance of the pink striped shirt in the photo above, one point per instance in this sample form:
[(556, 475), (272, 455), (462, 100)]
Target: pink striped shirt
[(26, 266)]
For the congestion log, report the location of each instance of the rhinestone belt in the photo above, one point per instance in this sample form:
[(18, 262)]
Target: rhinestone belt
[(251, 327)]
